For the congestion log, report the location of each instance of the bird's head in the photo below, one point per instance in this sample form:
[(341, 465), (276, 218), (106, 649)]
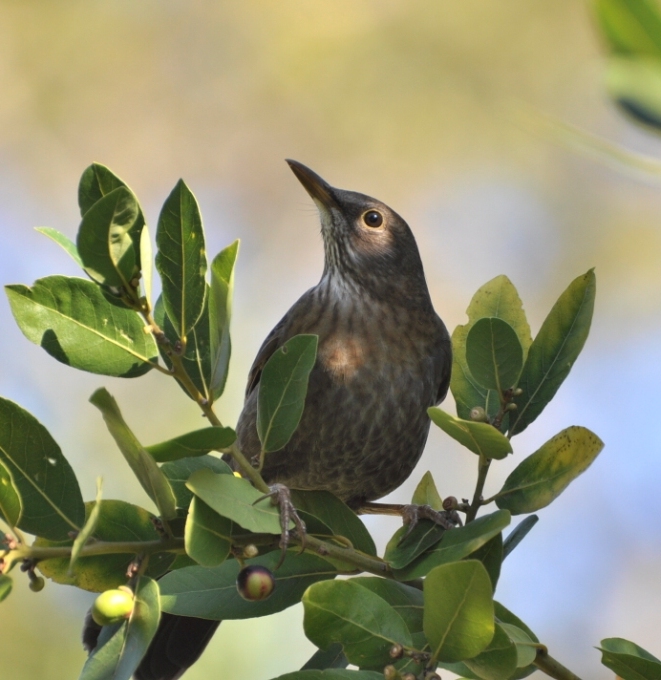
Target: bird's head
[(366, 243)]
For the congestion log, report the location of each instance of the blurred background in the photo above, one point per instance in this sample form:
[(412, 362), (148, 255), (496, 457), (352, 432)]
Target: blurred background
[(434, 108)]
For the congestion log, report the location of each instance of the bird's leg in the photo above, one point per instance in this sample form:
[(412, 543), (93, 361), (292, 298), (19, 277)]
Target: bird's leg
[(281, 496), (412, 514)]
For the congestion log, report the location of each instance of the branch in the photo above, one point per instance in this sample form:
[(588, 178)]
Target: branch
[(479, 488), (547, 664)]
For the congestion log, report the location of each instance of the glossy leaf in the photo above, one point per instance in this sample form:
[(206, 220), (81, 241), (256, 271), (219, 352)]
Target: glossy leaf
[(150, 476), (208, 535), (426, 493), (554, 350), (220, 313), (6, 585), (518, 534), (456, 544), (496, 298), (545, 474), (236, 499), (504, 615), (491, 556), (283, 387), (498, 661), (88, 529), (406, 600), (333, 674), (458, 615), (480, 438), (81, 326), (120, 656), (364, 623), (191, 444), (63, 241), (106, 239), (333, 657), (96, 182), (341, 520), (179, 471), (118, 522), (10, 501), (525, 646), (146, 263), (52, 504), (401, 551), (628, 660), (631, 26), (494, 354), (196, 357), (212, 594), (181, 260)]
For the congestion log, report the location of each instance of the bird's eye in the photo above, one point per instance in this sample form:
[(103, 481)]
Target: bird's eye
[(373, 219)]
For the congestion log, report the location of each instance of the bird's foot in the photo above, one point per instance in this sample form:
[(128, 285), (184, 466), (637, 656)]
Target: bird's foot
[(412, 514), (281, 496)]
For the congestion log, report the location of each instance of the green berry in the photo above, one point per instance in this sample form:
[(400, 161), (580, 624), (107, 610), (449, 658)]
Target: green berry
[(112, 606), (37, 584)]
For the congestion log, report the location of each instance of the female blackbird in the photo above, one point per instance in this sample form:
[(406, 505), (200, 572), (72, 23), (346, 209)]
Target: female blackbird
[(384, 356)]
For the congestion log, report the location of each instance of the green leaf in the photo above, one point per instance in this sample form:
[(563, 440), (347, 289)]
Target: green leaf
[(220, 313), (6, 585), (52, 504), (635, 84), (334, 674), (197, 443), (458, 615), (337, 515), (120, 656), (491, 556), (96, 182), (457, 544), (212, 594), (401, 551), (10, 501), (81, 326), (179, 471), (526, 650), (236, 499), (282, 390), (106, 239), (118, 522), (544, 475), (631, 26), (66, 243), (554, 350), (333, 657), (496, 298), (196, 357), (208, 535), (480, 438), (150, 476), (426, 493), (88, 530), (181, 260), (407, 601), (494, 354), (364, 623), (628, 660), (498, 661), (518, 534)]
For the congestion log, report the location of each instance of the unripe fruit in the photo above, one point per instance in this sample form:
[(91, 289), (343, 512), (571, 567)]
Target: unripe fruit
[(478, 414), (37, 584), (255, 583), (250, 550), (112, 606)]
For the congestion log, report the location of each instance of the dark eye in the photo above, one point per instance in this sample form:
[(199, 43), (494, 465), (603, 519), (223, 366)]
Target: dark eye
[(373, 219)]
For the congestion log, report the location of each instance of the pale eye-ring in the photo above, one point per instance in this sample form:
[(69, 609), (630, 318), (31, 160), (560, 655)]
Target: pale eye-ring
[(373, 219)]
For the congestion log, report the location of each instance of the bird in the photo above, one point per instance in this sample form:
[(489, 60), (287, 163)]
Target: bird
[(384, 357)]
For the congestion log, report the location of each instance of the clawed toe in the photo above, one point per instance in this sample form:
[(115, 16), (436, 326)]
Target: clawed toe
[(412, 514), (281, 496)]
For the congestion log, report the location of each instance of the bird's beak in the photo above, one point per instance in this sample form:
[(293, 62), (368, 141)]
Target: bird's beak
[(320, 191)]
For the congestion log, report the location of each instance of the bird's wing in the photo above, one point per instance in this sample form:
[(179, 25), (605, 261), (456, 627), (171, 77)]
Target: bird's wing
[(274, 340)]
